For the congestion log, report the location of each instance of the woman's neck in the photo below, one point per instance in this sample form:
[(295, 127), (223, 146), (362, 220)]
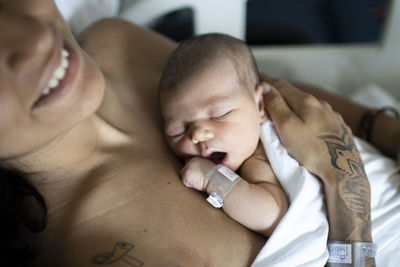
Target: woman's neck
[(67, 160)]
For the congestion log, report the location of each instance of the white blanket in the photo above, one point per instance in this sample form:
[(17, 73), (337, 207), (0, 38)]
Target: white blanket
[(301, 236)]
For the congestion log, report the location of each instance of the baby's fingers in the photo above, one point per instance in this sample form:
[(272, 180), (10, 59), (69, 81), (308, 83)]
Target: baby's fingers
[(192, 179)]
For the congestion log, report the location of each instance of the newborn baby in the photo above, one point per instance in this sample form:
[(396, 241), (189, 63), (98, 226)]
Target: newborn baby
[(212, 107)]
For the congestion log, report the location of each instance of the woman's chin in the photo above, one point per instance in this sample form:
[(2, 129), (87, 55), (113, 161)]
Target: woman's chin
[(91, 95)]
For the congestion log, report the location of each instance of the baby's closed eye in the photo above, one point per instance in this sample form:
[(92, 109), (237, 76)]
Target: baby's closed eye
[(220, 115), (174, 130)]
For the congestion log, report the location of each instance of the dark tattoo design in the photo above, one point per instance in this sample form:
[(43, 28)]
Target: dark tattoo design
[(337, 145), (353, 187), (118, 254)]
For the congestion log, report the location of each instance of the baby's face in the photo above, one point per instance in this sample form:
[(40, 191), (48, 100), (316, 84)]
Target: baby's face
[(212, 115)]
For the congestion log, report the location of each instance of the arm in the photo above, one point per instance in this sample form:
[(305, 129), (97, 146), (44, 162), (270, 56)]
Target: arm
[(257, 202), (264, 196), (387, 141), (328, 151)]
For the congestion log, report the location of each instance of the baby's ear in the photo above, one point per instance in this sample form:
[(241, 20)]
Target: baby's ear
[(260, 102)]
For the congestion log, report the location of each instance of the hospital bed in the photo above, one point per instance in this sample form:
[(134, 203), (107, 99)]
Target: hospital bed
[(368, 74)]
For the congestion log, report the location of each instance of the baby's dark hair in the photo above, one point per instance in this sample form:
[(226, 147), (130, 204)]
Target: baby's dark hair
[(199, 52)]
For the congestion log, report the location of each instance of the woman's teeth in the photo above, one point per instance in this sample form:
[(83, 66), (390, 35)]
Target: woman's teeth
[(58, 74)]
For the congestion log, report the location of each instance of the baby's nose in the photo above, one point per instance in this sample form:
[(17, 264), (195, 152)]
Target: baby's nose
[(201, 135)]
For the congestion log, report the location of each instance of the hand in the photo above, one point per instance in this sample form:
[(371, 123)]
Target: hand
[(193, 174), (310, 130), (319, 139)]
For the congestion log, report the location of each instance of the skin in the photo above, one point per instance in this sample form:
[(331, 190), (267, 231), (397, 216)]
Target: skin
[(345, 183), (387, 141), (28, 51), (98, 156), (213, 111), (108, 177)]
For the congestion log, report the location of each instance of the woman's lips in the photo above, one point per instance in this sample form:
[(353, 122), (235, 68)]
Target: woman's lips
[(64, 84)]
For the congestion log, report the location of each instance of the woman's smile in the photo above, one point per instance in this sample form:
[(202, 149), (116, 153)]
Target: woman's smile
[(60, 77)]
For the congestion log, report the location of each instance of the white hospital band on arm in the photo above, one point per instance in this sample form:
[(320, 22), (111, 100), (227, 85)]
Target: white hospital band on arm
[(342, 253), (222, 180)]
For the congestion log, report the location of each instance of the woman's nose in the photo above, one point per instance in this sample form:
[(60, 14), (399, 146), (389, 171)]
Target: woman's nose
[(201, 134), (24, 44)]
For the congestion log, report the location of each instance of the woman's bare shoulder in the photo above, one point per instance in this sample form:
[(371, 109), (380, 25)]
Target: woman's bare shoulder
[(118, 42), (132, 59)]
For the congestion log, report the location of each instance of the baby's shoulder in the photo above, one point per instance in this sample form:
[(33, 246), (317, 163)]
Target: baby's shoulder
[(259, 154), (256, 168)]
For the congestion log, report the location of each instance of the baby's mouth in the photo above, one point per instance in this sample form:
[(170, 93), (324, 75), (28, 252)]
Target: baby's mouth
[(218, 157)]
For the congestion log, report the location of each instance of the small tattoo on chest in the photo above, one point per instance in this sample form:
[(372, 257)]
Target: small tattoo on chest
[(118, 254)]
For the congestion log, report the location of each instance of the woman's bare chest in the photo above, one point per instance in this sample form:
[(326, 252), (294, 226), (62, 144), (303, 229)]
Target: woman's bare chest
[(144, 205)]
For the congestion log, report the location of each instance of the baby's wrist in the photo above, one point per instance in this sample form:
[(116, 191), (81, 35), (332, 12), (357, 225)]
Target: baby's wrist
[(221, 180)]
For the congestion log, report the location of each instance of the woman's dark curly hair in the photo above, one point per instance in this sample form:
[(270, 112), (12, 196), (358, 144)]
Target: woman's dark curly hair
[(22, 208)]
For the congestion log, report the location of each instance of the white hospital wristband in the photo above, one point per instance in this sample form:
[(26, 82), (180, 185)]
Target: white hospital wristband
[(351, 253), (222, 180)]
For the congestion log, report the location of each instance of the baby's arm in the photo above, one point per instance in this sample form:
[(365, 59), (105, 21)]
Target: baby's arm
[(257, 201)]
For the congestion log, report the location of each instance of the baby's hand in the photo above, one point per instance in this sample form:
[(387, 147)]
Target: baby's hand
[(194, 173)]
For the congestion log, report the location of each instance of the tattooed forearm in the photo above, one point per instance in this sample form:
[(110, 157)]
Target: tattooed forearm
[(337, 146), (118, 254), (353, 192)]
